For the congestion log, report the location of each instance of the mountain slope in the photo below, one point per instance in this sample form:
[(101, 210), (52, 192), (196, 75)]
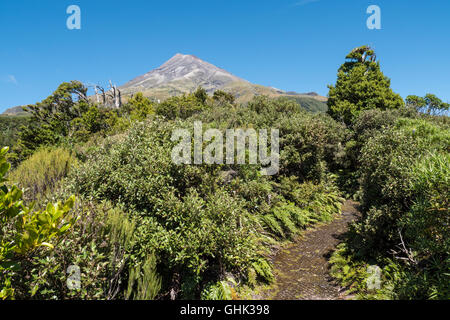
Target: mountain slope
[(182, 72), (185, 73)]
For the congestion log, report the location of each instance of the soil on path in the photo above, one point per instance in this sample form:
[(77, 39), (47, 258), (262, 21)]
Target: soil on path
[(302, 268)]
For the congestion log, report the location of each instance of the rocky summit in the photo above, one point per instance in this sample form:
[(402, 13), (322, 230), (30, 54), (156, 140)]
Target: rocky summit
[(183, 72)]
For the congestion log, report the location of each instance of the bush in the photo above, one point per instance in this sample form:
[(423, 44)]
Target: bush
[(310, 145), (101, 245), (182, 213), (404, 172), (182, 106), (42, 172), (387, 174), (23, 230), (9, 129)]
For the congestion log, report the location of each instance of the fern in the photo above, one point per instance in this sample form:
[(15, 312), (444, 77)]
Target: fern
[(263, 269), (273, 225), (284, 217)]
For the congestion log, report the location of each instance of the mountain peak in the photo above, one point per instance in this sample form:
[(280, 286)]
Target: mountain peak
[(184, 73), (182, 58)]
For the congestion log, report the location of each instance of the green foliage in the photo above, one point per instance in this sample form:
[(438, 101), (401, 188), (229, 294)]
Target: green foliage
[(360, 86), (310, 145), (62, 118), (201, 95), (311, 104), (146, 227), (42, 172), (352, 273), (51, 119), (263, 269), (223, 98), (430, 104), (220, 290), (404, 170), (100, 243), (190, 228), (139, 107), (146, 281), (9, 129), (183, 106), (264, 105), (24, 230), (387, 173)]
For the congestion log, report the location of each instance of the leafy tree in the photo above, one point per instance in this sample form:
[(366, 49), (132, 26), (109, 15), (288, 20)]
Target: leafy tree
[(52, 118), (360, 86), (429, 104)]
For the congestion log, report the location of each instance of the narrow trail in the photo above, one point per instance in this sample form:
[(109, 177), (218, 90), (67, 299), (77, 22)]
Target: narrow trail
[(301, 269)]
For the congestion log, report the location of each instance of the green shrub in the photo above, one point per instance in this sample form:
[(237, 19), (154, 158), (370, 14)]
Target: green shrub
[(23, 230), (182, 213), (181, 107), (9, 129), (42, 172), (310, 145), (139, 107), (404, 173), (101, 244), (220, 290), (387, 174), (144, 283)]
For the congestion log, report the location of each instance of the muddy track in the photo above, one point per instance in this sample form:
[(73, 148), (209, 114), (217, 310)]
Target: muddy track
[(302, 269)]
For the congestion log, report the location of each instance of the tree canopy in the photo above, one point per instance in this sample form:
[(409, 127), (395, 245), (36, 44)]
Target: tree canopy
[(361, 86)]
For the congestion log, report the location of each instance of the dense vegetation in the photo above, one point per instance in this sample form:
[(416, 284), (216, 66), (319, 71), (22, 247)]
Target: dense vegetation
[(398, 166), (143, 227), (9, 128)]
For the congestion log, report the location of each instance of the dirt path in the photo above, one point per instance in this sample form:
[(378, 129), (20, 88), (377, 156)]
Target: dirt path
[(301, 270)]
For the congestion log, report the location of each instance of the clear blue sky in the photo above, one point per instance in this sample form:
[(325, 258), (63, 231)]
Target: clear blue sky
[(289, 44)]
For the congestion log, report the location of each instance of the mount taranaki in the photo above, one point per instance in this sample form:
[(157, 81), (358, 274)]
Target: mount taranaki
[(185, 73)]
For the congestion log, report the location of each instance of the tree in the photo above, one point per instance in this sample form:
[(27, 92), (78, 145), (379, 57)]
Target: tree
[(429, 104), (361, 86), (52, 118)]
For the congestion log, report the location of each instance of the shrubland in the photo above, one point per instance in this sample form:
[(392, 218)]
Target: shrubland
[(143, 227)]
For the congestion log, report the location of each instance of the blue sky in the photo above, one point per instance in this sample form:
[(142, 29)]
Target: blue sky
[(288, 44)]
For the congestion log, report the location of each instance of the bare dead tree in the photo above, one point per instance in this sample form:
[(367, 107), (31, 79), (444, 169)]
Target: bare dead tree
[(402, 252)]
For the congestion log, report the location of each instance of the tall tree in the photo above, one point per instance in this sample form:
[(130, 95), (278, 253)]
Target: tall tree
[(360, 86)]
